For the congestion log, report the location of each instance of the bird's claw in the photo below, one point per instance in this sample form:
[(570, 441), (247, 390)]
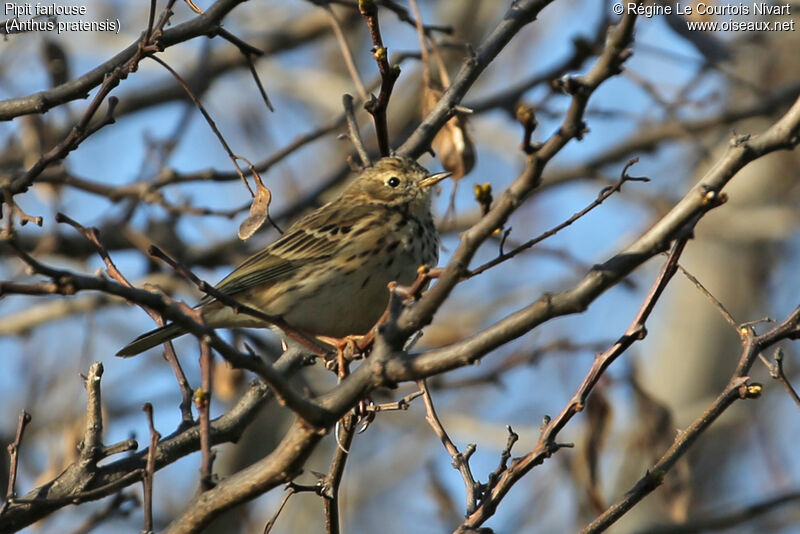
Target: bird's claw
[(347, 348), (364, 414)]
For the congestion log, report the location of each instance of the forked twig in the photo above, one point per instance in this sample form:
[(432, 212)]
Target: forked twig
[(601, 197), (460, 460)]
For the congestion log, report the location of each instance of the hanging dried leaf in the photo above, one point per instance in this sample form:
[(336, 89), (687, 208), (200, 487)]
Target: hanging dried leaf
[(259, 211), (227, 381), (56, 61), (599, 413), (453, 144), (656, 434)]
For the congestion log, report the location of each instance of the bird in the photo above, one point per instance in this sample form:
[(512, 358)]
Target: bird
[(328, 274)]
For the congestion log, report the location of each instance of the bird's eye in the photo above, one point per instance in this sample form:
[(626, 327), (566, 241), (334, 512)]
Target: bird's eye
[(394, 181)]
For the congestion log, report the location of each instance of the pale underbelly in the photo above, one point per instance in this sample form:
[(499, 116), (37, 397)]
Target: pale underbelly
[(349, 304)]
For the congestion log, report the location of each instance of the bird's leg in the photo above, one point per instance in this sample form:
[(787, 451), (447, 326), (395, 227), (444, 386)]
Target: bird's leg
[(347, 348)]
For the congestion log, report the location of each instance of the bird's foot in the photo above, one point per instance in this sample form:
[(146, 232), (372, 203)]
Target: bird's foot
[(347, 348)]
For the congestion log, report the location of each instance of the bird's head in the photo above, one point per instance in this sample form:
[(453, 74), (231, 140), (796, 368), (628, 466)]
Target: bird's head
[(395, 180)]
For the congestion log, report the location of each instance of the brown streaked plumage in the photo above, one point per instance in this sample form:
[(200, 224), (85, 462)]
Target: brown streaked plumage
[(327, 275)]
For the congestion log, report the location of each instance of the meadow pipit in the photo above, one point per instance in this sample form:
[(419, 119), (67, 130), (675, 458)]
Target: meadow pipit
[(328, 274)]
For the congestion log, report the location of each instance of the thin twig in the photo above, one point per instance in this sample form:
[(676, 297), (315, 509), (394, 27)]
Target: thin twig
[(233, 157), (513, 437), (423, 46), (402, 404), (346, 53), (248, 51), (151, 16), (776, 371), (256, 78), (717, 304), (389, 74), (150, 469), (202, 399), (290, 490), (13, 453), (604, 194), (353, 132)]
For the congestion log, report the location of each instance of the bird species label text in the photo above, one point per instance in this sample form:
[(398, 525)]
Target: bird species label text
[(44, 17)]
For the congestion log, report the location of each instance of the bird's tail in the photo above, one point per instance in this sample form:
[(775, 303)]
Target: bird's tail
[(151, 339)]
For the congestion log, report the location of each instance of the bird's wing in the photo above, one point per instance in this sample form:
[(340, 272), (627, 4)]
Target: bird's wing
[(313, 238)]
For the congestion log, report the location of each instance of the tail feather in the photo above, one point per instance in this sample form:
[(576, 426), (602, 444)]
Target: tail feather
[(150, 340)]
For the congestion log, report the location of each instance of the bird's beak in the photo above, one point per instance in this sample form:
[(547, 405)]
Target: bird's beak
[(434, 179)]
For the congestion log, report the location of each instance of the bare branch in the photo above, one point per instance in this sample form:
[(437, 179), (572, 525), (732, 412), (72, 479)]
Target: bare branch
[(352, 130), (460, 460), (150, 468), (346, 53), (13, 454), (389, 74), (330, 484)]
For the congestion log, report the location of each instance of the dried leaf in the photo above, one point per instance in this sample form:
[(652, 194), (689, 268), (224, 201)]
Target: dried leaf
[(227, 381), (65, 452), (56, 61), (599, 414), (655, 435), (453, 144), (259, 211)]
